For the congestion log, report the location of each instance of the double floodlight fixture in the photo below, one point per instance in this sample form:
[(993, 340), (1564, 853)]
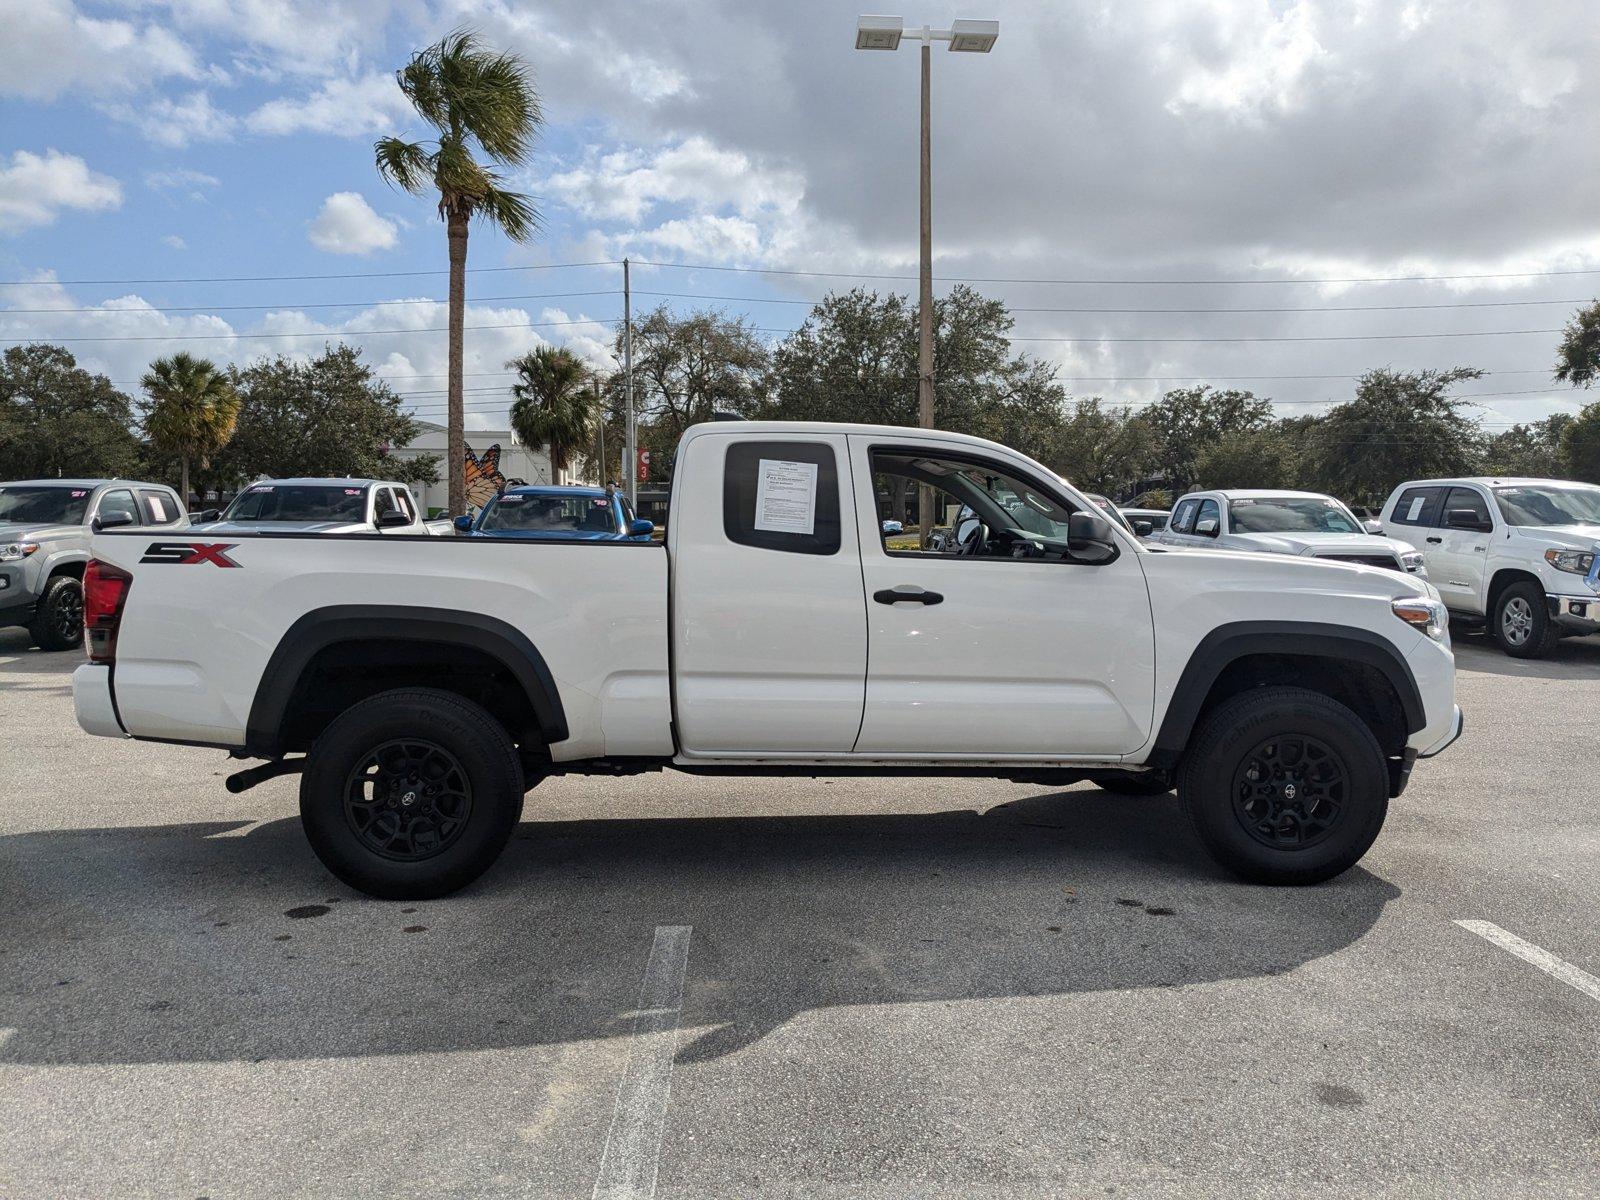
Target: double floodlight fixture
[(884, 33)]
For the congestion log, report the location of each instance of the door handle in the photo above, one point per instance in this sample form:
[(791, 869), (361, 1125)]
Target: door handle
[(907, 594), (1435, 541)]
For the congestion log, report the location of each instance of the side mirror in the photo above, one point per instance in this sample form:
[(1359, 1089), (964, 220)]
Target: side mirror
[(463, 524), (1090, 539), (1206, 528), (112, 521), (208, 514), (392, 519), (1465, 518), (639, 527), (1143, 528), (1375, 528)]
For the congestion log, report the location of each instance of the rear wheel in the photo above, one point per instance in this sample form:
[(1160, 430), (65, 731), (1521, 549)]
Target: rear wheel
[(1521, 622), (58, 619), (1284, 786), (411, 794)]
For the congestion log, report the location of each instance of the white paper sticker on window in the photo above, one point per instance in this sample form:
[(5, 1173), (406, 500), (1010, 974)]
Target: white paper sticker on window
[(1416, 507), (157, 507), (786, 497)]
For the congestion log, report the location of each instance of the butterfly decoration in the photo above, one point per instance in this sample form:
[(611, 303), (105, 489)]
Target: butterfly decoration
[(484, 480)]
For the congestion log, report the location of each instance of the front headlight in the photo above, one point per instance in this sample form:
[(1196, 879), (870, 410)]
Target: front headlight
[(1577, 562), (1414, 564), (1424, 615), (16, 551)]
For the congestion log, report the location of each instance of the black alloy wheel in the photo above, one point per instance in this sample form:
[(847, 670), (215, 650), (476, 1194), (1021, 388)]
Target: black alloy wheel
[(408, 800), (1289, 792)]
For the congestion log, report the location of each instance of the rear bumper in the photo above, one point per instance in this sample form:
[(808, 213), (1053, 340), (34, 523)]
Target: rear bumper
[(92, 701)]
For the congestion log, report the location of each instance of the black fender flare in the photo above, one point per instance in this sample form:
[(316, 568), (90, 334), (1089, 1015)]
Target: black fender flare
[(324, 627), (1301, 639)]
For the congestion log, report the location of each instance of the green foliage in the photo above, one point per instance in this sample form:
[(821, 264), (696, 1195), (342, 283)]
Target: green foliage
[(329, 416), (1580, 446), (1533, 449), (553, 405), (190, 411), (1578, 357), (1250, 458), (1097, 448), (469, 95), (58, 420), (1187, 420), (1401, 425)]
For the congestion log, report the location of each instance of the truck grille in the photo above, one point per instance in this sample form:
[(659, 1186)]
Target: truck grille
[(1387, 561)]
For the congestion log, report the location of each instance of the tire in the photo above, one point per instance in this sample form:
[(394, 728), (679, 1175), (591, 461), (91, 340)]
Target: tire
[(1317, 834), (58, 618), (1521, 623), (1134, 783), (432, 749)]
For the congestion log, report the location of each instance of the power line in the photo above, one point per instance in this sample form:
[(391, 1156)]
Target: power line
[(321, 333), (281, 278), (203, 308), (1335, 308), (1119, 282)]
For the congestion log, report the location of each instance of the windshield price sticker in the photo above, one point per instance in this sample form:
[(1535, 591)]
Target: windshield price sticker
[(512, 499), (79, 495), (254, 490), (786, 497), (352, 491)]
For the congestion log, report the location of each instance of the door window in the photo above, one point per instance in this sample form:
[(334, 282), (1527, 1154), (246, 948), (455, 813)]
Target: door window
[(402, 498), (1464, 498), (117, 503), (1183, 516), (382, 503), (980, 510), (782, 496), (1208, 512), (1418, 506), (160, 508)]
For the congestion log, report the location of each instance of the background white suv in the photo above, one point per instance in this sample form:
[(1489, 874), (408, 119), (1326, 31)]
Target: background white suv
[(1518, 553), (1279, 522)]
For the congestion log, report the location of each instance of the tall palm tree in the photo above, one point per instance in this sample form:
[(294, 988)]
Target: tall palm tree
[(192, 410), (552, 405), (469, 95)]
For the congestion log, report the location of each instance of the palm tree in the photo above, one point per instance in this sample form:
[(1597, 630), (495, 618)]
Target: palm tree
[(552, 406), (191, 412), (469, 95)]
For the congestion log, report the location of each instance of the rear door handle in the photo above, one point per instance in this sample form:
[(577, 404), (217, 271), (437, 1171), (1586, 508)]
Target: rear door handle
[(907, 593), (1435, 541)]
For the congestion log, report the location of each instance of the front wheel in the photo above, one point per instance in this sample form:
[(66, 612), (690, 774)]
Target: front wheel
[(58, 617), (1521, 622), (411, 794), (1284, 786)]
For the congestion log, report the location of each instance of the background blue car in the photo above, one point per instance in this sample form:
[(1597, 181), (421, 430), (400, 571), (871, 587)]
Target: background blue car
[(567, 514)]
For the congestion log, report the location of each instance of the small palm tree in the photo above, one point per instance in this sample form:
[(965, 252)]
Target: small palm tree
[(469, 95), (191, 412), (552, 405)]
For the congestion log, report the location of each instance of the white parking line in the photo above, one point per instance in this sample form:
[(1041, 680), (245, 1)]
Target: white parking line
[(1543, 959), (633, 1146)]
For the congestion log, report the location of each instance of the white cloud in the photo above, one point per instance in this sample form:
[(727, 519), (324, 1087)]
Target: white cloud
[(35, 188), (626, 184), (1257, 60), (50, 48), (176, 123), (181, 177), (357, 107), (347, 224), (174, 242)]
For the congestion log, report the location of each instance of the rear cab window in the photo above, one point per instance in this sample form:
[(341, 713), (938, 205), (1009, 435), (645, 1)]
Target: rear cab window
[(160, 508), (1183, 516), (782, 496), (1418, 506)]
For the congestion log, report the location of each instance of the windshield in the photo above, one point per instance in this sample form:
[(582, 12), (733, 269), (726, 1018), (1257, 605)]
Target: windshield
[(1549, 504), (298, 502), (44, 505), (1292, 514), (532, 513)]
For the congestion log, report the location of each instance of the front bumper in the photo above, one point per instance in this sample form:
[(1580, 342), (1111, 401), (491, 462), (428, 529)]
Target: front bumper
[(17, 600), (1581, 614), (93, 703), (1457, 723)]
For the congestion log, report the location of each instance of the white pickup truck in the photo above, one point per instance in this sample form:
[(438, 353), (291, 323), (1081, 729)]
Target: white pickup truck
[(1518, 554), (422, 685), (337, 506)]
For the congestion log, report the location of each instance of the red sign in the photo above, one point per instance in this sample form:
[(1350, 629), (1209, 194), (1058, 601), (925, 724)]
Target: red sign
[(644, 465)]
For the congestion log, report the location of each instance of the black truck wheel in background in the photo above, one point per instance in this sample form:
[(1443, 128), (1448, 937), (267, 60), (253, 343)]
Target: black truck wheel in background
[(58, 619), (411, 794), (1284, 786)]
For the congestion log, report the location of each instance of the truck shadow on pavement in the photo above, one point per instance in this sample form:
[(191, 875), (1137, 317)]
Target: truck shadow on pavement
[(222, 942)]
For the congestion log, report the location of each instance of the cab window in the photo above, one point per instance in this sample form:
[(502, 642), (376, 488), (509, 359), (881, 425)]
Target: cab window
[(1468, 499), (160, 508), (402, 498), (117, 503), (782, 496), (1183, 516), (382, 503), (1418, 506), (1208, 512)]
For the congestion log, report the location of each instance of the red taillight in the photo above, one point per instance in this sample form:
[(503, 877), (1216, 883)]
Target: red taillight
[(105, 591)]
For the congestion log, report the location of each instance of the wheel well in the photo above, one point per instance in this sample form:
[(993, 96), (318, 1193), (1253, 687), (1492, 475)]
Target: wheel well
[(74, 569), (344, 673), (1362, 688), (1503, 579)]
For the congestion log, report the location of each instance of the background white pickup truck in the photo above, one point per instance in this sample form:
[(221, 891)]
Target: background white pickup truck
[(1519, 554), (341, 506), (432, 681)]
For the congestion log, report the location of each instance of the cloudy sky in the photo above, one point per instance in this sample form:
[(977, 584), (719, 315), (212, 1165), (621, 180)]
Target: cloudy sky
[(198, 174)]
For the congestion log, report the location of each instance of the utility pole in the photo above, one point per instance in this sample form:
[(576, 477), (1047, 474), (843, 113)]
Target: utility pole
[(971, 37), (600, 411), (630, 435)]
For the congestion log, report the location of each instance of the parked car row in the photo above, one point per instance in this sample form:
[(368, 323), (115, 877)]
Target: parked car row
[(1518, 556)]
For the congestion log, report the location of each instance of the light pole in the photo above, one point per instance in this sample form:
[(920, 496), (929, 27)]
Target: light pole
[(973, 37)]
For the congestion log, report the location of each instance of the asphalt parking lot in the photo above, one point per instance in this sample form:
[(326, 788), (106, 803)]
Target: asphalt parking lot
[(793, 988)]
